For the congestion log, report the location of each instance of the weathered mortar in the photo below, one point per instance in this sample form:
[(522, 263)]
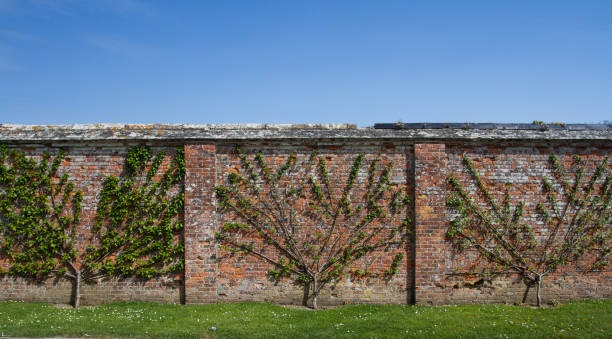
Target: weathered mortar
[(426, 155)]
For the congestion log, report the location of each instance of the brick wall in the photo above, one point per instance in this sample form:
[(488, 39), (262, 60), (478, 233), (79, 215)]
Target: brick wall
[(200, 223), (245, 277), (523, 165), (430, 204), (88, 165), (425, 274)]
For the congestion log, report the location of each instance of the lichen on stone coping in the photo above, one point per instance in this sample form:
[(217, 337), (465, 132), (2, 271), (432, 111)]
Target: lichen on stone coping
[(420, 131), (113, 126)]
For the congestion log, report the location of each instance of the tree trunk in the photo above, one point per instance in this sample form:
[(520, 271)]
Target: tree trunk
[(314, 293), (77, 289), (538, 290)]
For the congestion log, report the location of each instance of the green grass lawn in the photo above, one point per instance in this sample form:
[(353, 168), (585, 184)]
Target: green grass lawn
[(584, 319)]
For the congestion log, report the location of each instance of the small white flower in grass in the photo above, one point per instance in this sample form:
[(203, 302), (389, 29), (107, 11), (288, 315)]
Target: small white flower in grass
[(213, 328)]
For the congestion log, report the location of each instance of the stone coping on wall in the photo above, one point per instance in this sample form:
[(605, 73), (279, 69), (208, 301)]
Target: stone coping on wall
[(413, 131)]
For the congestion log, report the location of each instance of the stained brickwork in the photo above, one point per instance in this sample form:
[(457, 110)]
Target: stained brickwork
[(430, 200), (422, 158), (200, 223)]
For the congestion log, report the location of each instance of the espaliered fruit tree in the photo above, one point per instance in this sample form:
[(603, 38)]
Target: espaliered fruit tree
[(309, 228), (573, 224)]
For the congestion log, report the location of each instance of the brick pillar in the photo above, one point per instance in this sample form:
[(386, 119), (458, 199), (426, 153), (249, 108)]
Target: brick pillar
[(200, 223), (430, 174)]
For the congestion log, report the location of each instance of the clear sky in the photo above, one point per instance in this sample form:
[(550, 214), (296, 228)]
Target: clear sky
[(328, 61)]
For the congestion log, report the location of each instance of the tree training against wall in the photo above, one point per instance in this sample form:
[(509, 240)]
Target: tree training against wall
[(137, 229), (573, 224)]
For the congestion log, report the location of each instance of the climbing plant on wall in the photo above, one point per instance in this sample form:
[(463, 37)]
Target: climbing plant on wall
[(137, 229), (297, 217), (39, 211), (138, 226), (574, 223)]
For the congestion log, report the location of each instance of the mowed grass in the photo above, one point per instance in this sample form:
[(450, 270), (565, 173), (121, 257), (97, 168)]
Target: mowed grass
[(584, 319)]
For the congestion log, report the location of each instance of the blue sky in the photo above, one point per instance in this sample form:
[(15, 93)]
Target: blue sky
[(329, 61)]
